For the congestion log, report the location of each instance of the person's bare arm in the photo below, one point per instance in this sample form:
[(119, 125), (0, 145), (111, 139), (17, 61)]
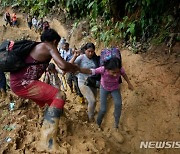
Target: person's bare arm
[(130, 86)]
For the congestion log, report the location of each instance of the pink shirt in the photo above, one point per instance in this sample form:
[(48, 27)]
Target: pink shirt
[(108, 81)]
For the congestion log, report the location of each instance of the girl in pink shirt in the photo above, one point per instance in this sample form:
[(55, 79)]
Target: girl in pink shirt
[(110, 75)]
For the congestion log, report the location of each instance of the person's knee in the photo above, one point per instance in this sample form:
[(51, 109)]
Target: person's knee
[(61, 95)]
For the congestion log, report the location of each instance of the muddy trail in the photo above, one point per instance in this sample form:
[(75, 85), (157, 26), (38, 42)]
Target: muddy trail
[(150, 113)]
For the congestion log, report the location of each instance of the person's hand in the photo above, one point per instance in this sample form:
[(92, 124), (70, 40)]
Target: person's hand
[(130, 86), (77, 53)]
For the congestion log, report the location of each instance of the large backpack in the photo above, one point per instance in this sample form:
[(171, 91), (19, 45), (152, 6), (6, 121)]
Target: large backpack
[(107, 54), (13, 54)]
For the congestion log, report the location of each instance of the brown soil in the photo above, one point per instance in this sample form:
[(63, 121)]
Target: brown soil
[(150, 113)]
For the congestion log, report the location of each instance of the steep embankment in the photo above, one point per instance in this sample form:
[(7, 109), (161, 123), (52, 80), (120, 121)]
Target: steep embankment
[(150, 113)]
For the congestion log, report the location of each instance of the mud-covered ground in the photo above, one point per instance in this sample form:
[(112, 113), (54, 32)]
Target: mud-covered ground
[(150, 113)]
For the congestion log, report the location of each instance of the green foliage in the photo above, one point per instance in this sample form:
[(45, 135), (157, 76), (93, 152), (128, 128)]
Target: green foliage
[(139, 20)]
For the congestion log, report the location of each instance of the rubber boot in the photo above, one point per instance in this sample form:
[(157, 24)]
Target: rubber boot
[(48, 132)]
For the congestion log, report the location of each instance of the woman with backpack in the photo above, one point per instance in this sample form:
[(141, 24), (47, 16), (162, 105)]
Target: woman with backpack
[(26, 84), (88, 60)]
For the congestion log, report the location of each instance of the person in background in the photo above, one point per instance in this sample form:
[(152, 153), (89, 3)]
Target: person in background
[(61, 43), (7, 18), (34, 23), (29, 21), (14, 19), (46, 25), (51, 76), (40, 25), (67, 54)]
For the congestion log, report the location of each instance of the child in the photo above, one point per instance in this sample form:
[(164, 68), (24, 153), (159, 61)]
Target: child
[(51, 76), (110, 74)]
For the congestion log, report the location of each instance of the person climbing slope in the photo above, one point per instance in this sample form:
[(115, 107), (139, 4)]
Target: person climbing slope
[(26, 84), (110, 75)]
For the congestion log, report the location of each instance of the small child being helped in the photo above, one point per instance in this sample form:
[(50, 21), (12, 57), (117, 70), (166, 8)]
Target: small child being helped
[(111, 72), (51, 76)]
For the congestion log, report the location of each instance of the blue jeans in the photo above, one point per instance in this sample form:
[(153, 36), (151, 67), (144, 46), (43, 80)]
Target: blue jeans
[(103, 105)]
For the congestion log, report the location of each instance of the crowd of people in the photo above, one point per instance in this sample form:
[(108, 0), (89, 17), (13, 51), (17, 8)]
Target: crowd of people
[(32, 21), (77, 66), (38, 25)]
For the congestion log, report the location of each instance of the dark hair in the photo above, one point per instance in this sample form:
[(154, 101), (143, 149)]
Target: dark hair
[(112, 63), (95, 58), (50, 35), (66, 44), (89, 45), (51, 66)]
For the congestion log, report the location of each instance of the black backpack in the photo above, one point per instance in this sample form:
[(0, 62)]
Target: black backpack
[(13, 60), (93, 80)]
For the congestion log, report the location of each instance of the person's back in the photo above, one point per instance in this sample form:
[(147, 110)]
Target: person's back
[(25, 83)]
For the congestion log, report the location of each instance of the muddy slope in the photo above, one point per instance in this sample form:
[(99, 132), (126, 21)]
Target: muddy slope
[(150, 113)]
